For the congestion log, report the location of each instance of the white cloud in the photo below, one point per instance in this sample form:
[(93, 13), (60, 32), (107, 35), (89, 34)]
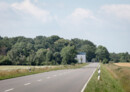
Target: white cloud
[(80, 17), (120, 10), (80, 14), (27, 7)]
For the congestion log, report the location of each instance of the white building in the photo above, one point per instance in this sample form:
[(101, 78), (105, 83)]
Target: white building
[(81, 57)]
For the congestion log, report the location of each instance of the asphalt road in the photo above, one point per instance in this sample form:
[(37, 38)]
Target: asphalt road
[(70, 80)]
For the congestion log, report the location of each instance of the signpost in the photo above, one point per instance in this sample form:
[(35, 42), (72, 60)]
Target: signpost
[(99, 71)]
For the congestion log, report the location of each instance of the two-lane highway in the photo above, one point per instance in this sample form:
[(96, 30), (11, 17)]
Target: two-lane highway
[(69, 80)]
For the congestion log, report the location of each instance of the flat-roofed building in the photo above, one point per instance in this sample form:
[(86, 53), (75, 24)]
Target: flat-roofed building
[(81, 57)]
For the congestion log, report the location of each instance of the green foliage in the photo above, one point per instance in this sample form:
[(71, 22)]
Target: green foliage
[(120, 57), (106, 83), (90, 51), (102, 53), (68, 55), (44, 50), (61, 43), (57, 57), (13, 56), (4, 60), (49, 56), (40, 56), (105, 61), (31, 58)]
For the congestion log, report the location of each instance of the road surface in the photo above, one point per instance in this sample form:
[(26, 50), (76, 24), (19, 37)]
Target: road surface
[(69, 80)]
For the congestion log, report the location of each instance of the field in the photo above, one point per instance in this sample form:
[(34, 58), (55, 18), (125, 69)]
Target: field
[(7, 72), (121, 72), (123, 64), (21, 67), (107, 82)]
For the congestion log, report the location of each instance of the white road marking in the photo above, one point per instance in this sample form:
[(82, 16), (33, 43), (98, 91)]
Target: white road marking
[(9, 90), (39, 80), (88, 81), (27, 84)]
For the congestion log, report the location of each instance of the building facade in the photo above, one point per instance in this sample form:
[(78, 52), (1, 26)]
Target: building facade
[(81, 57)]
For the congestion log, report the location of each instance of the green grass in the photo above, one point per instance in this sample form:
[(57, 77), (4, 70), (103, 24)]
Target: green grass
[(107, 83), (17, 72)]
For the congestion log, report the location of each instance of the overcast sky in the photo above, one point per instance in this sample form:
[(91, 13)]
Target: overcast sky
[(104, 22)]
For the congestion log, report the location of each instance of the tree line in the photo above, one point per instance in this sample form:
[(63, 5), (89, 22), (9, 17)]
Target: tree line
[(52, 50)]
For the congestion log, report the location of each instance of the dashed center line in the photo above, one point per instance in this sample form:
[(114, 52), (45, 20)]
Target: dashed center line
[(9, 90), (27, 84)]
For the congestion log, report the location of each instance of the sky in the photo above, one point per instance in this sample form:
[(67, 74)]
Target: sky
[(104, 22)]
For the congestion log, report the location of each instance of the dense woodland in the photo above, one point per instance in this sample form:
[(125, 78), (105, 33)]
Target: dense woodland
[(53, 50)]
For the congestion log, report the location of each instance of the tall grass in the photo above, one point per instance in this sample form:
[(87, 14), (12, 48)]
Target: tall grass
[(122, 74), (106, 83), (6, 74)]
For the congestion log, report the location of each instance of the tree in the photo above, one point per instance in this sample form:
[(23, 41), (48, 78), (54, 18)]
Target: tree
[(41, 42), (31, 58), (13, 56), (1, 38), (102, 53), (68, 55), (90, 51), (124, 57), (49, 56), (22, 60), (61, 43), (40, 56), (4, 60), (114, 57), (77, 42), (52, 39), (57, 57), (52, 50)]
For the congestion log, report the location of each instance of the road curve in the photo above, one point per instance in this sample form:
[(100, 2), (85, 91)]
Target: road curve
[(69, 80)]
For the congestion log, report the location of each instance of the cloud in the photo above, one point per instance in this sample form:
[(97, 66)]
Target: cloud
[(78, 18), (81, 14), (27, 7), (118, 10)]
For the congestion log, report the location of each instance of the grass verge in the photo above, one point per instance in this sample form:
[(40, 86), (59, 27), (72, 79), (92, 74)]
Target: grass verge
[(121, 73), (107, 83), (6, 74)]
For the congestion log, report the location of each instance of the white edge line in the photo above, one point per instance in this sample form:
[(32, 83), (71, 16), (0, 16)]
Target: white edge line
[(9, 90), (88, 81)]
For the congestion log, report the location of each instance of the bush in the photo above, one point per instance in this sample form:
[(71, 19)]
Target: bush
[(4, 60), (53, 62), (105, 61)]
